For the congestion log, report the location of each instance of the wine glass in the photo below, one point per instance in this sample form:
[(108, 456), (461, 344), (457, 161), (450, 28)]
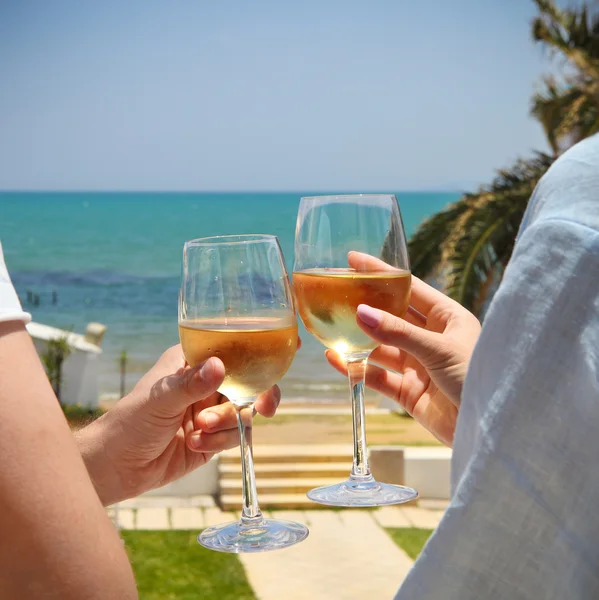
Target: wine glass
[(351, 250), (236, 303)]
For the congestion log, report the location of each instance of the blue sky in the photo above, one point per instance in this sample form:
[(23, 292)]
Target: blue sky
[(264, 95)]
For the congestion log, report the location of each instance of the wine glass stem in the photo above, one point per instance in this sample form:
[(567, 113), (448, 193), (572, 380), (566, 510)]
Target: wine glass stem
[(356, 366), (250, 513)]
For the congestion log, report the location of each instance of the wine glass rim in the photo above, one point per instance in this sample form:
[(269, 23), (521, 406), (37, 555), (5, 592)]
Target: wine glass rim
[(244, 238), (349, 196)]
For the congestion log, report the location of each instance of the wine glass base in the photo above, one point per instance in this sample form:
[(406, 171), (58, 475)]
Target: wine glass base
[(356, 492), (267, 534)]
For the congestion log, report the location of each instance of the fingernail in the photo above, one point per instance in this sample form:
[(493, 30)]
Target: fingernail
[(211, 419), (206, 370), (195, 441), (369, 316)]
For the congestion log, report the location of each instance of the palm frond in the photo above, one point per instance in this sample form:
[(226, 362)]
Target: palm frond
[(425, 245), (568, 109), (482, 246), (558, 110), (468, 244), (479, 253), (571, 33)]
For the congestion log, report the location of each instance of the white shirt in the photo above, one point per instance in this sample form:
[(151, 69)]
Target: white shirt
[(523, 522), (10, 307)]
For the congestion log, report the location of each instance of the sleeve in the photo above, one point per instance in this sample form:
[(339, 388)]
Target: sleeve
[(523, 522), (10, 307)]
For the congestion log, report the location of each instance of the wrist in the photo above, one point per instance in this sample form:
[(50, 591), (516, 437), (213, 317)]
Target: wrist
[(93, 442)]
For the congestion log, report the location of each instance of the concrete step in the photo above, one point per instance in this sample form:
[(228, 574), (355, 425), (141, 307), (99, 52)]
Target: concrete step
[(270, 501), (316, 453), (288, 485), (292, 470)]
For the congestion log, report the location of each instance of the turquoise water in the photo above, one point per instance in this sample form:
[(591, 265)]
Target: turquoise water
[(115, 258)]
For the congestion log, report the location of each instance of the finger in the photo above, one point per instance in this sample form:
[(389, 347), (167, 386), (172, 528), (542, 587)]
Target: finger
[(384, 382), (213, 442), (415, 317), (336, 361), (219, 417), (405, 390), (424, 296), (378, 379), (423, 345), (360, 261), (172, 395), (199, 408), (216, 418), (268, 402), (188, 421), (389, 357)]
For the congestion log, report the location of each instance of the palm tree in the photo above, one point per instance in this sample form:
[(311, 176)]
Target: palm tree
[(568, 106), (57, 351), (466, 247), (124, 357)]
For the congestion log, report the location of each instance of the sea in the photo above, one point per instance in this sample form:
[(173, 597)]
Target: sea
[(115, 258)]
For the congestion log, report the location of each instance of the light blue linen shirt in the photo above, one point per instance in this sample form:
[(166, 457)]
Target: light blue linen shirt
[(523, 522)]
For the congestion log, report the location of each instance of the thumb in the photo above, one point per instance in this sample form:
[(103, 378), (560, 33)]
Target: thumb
[(425, 346), (174, 393)]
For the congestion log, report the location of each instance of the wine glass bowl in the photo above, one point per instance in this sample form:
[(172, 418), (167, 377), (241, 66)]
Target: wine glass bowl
[(351, 250)]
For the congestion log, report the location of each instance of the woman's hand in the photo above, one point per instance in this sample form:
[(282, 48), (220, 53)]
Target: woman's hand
[(423, 359)]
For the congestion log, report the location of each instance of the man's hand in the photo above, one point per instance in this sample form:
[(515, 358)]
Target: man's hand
[(423, 358), (172, 422)]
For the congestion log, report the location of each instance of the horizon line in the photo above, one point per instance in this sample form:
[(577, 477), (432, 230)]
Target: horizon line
[(235, 191)]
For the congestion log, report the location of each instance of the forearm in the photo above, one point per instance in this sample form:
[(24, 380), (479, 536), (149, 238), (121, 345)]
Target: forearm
[(53, 526), (94, 443)]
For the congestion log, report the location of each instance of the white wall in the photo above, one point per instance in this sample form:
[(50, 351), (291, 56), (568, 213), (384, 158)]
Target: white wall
[(202, 481), (79, 376), (428, 469)]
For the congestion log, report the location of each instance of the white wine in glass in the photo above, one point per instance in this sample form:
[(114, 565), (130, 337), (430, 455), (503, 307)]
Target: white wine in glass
[(328, 299), (351, 250), (256, 352), (236, 304)]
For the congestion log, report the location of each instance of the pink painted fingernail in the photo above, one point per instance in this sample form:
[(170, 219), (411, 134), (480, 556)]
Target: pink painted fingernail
[(371, 317)]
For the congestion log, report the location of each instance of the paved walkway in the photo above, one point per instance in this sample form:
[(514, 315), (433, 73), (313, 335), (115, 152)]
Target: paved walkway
[(347, 555)]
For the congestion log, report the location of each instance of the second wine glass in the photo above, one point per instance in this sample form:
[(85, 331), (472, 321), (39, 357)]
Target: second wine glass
[(351, 250)]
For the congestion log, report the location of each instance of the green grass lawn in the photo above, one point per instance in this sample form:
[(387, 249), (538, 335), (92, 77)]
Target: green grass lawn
[(411, 540), (171, 565)]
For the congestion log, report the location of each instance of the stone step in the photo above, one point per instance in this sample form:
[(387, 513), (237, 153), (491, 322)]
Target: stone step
[(287, 485), (294, 470), (316, 453), (270, 501)]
